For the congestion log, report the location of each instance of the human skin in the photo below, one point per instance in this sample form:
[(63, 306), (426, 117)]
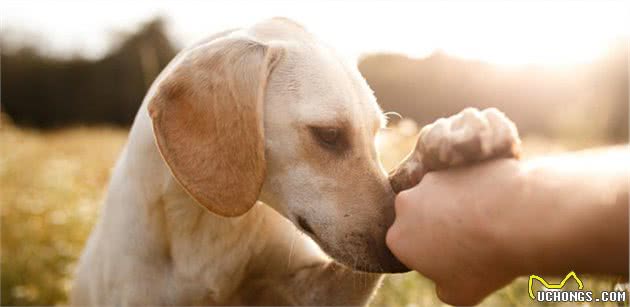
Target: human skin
[(474, 229)]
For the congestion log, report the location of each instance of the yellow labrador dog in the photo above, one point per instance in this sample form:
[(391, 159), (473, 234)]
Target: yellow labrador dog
[(242, 140)]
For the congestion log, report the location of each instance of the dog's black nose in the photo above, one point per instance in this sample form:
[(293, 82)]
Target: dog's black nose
[(391, 264)]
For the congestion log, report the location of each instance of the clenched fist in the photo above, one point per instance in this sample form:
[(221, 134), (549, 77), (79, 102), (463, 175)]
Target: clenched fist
[(467, 137)]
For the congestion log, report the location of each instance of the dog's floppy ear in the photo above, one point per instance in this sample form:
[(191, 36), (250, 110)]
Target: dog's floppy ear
[(207, 114)]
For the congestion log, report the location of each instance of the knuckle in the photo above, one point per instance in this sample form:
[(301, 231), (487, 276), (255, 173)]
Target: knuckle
[(471, 116), (471, 110), (498, 120), (505, 140), (495, 118), (493, 112)]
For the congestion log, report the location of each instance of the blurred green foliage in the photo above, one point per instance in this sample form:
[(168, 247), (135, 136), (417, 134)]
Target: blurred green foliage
[(47, 92)]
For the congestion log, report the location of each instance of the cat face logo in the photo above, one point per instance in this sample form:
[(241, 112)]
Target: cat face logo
[(552, 286)]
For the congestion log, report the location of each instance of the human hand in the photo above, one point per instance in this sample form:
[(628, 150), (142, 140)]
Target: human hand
[(473, 229), (452, 228)]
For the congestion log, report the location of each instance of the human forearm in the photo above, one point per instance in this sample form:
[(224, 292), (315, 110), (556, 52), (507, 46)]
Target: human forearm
[(575, 214)]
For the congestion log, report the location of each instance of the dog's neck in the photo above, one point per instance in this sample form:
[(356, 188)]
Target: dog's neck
[(156, 221), (204, 255), (207, 249)]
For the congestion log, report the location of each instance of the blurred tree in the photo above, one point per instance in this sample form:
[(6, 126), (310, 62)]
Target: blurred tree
[(582, 101), (619, 113), (586, 100), (48, 92)]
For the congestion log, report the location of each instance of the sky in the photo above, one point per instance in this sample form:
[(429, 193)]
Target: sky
[(503, 32)]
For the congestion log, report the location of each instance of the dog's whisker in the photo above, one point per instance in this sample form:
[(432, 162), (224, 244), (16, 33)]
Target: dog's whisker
[(291, 249), (355, 260), (388, 114)]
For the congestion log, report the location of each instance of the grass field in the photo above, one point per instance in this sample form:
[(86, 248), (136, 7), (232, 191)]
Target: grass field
[(52, 185)]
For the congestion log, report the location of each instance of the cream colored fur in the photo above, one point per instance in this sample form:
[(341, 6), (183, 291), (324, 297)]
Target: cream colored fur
[(181, 225)]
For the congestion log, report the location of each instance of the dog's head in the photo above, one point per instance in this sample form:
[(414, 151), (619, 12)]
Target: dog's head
[(269, 113)]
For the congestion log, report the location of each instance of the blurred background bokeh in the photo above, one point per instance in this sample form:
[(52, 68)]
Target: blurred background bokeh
[(74, 74)]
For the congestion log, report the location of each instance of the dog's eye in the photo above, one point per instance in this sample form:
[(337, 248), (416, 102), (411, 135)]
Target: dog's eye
[(327, 136)]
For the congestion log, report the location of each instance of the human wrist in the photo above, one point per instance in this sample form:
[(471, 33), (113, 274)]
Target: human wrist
[(542, 223), (515, 223)]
